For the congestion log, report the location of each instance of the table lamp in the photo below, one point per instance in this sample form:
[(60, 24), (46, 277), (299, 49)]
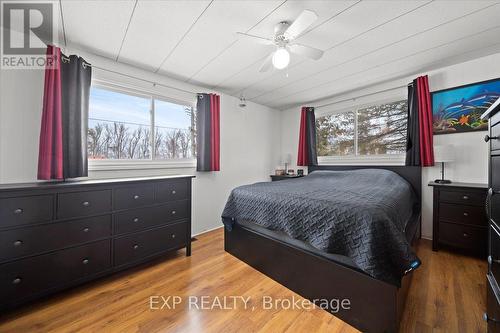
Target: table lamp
[(443, 154), (286, 160)]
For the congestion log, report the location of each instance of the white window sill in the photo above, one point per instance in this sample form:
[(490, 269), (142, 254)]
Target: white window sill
[(362, 160), (116, 165)]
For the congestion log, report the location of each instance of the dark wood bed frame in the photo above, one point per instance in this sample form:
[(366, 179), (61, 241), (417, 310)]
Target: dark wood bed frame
[(375, 306)]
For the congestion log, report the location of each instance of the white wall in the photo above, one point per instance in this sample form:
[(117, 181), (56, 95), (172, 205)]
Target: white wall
[(471, 159), (250, 137)]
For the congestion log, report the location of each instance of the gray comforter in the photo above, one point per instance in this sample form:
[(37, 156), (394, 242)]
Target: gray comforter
[(361, 214)]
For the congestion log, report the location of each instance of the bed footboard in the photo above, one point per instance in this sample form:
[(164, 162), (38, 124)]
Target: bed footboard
[(375, 306)]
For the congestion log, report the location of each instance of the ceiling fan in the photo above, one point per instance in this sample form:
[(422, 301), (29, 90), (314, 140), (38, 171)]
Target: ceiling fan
[(284, 35)]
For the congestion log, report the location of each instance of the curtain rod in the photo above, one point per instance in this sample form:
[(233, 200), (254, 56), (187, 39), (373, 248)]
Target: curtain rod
[(86, 64), (144, 80), (361, 96)]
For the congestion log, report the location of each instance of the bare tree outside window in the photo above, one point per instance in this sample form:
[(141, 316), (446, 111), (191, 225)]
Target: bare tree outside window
[(175, 131), (335, 134), (120, 127), (114, 140), (380, 130)]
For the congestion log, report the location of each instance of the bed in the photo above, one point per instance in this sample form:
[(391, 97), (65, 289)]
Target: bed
[(330, 265)]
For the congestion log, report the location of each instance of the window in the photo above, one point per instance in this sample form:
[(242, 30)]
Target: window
[(373, 130), (174, 131), (129, 126), (335, 134)]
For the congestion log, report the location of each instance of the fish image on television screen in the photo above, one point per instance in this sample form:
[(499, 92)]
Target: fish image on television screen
[(459, 109)]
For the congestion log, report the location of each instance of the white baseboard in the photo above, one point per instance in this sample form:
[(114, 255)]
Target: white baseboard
[(205, 231)]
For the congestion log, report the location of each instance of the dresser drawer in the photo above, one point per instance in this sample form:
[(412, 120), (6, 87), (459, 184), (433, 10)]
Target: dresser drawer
[(83, 203), (133, 196), (473, 215), (463, 197), (495, 173), (172, 190), (495, 119), (495, 209), (494, 254), (29, 241), (495, 132), (28, 277), (462, 236), (492, 306), (26, 210), (141, 245), (144, 218)]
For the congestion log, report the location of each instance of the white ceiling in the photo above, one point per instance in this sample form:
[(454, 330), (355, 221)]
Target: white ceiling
[(366, 42)]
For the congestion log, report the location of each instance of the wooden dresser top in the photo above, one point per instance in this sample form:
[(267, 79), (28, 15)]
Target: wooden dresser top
[(76, 183)]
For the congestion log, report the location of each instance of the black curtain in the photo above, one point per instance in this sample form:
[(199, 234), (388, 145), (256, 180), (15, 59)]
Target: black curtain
[(76, 75), (312, 155), (412, 133), (203, 133)]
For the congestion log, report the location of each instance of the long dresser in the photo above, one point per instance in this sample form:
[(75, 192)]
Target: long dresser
[(57, 235), (492, 314)]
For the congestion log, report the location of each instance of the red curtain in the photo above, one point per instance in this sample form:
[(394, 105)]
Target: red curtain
[(302, 156), (425, 120), (215, 132), (50, 153)]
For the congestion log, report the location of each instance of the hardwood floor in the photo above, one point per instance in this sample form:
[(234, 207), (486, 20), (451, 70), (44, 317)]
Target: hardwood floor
[(447, 295)]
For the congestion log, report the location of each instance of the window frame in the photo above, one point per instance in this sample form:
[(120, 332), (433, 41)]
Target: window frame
[(141, 164), (376, 159)]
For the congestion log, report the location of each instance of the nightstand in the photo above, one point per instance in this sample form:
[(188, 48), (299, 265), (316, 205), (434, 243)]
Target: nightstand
[(275, 178), (459, 217)]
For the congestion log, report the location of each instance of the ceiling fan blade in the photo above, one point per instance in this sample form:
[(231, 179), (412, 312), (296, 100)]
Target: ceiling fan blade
[(254, 38), (301, 23), (306, 51), (267, 64)]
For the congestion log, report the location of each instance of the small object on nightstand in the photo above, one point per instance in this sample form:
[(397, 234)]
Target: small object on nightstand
[(459, 217), (291, 172), (283, 177), (279, 172), (300, 172), (443, 154)]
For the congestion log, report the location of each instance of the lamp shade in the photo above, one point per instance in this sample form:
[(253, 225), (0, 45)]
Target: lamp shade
[(444, 153), (286, 158)]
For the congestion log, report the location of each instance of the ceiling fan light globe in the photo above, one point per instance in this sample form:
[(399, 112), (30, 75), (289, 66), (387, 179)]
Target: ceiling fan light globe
[(281, 58)]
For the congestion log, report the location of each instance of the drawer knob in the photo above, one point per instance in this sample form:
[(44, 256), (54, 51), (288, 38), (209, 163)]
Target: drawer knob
[(136, 197), (488, 138), (173, 192), (85, 203), (465, 197), (466, 214), (488, 318), (466, 235), (17, 280), (136, 219), (85, 261), (18, 243), (174, 212), (18, 211), (173, 235), (86, 229), (136, 247)]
